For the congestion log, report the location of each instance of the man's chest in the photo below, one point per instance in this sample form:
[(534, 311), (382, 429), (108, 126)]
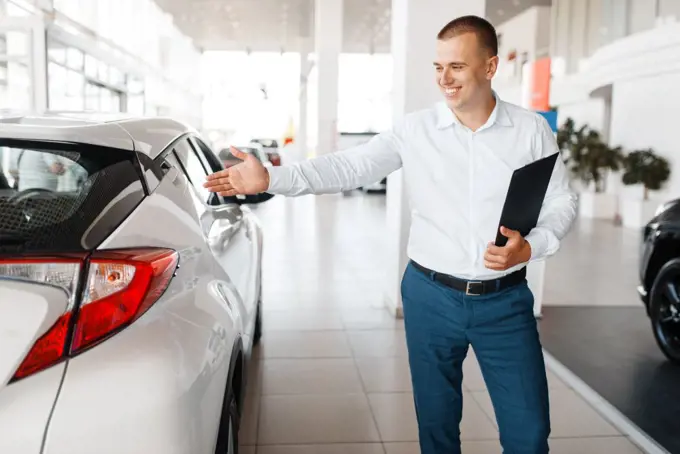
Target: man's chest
[(465, 161)]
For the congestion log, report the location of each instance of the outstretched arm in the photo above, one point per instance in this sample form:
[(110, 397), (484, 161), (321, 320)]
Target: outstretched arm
[(347, 169), (336, 172)]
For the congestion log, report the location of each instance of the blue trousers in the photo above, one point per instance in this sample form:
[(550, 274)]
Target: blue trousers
[(440, 325)]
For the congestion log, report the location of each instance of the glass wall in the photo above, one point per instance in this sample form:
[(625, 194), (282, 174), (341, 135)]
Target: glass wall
[(365, 90), (252, 95), (158, 61), (15, 48), (102, 55), (258, 95)]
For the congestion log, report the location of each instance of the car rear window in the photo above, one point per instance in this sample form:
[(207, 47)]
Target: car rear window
[(59, 197)]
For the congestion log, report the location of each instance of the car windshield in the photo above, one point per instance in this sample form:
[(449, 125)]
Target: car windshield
[(50, 198)]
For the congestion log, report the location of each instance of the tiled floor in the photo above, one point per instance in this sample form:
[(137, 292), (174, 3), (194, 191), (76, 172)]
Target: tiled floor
[(331, 375)]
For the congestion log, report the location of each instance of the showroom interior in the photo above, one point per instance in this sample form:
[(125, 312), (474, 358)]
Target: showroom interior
[(331, 373)]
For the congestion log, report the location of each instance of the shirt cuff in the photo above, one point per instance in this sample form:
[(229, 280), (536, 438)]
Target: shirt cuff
[(279, 179), (538, 243)]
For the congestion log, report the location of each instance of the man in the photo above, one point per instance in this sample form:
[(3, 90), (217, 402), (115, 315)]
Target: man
[(37, 169), (459, 289)]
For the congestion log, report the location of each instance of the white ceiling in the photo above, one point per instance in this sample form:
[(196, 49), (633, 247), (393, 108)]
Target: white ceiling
[(281, 25)]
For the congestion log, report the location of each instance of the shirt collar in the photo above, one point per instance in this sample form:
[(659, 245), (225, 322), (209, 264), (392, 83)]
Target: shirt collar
[(499, 115)]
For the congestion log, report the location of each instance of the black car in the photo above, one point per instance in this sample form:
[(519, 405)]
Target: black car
[(660, 277)]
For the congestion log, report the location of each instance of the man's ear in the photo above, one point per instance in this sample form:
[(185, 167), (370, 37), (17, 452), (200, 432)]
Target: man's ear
[(491, 67)]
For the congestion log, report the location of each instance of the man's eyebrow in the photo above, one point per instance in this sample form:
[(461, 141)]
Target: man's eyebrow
[(453, 63)]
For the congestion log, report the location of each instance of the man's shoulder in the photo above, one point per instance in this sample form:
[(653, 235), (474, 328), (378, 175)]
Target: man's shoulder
[(521, 116), (418, 118)]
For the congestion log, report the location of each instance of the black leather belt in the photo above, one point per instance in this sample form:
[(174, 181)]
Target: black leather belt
[(475, 288)]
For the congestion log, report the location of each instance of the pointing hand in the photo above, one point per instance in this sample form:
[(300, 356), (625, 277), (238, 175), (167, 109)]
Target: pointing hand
[(245, 178)]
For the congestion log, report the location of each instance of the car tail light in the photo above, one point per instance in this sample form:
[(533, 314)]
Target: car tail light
[(63, 272), (121, 285)]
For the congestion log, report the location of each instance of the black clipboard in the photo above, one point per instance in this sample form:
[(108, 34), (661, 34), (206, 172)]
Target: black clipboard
[(525, 197)]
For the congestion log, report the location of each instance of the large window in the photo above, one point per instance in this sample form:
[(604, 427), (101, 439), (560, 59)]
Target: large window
[(15, 77), (131, 34), (365, 87), (80, 82)]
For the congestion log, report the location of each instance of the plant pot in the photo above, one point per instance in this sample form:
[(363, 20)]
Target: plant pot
[(597, 205), (635, 213)]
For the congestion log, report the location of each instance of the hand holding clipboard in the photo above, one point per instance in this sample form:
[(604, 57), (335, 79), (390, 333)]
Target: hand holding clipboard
[(525, 197)]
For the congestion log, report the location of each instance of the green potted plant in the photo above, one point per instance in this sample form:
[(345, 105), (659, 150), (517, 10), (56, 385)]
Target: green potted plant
[(646, 168), (590, 161), (650, 171), (593, 160), (567, 137)]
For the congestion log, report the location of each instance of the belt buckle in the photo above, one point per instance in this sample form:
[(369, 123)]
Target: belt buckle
[(469, 285)]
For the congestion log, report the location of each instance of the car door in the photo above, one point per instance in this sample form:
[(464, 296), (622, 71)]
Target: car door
[(229, 233), (250, 225)]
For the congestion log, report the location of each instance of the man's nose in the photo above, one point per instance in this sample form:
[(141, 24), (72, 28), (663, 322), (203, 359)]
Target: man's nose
[(445, 78)]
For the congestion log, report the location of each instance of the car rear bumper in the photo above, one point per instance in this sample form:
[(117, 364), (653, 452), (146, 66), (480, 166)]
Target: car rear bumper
[(25, 408), (152, 388)]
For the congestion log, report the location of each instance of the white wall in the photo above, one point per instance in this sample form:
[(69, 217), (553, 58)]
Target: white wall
[(642, 73), (644, 115), (588, 111), (527, 32)]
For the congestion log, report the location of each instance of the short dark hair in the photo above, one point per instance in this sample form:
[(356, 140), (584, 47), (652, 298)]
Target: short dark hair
[(486, 33)]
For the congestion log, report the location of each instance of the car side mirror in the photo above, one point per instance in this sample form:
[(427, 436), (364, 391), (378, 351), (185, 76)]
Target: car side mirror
[(254, 199)]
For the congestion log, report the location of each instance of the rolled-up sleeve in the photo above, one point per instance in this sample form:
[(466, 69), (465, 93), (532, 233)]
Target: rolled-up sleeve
[(341, 171), (559, 207)]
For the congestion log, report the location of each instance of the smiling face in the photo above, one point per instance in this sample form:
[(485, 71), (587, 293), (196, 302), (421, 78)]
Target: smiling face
[(464, 70)]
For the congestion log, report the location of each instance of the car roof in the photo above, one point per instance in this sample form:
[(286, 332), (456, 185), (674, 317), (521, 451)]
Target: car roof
[(146, 135)]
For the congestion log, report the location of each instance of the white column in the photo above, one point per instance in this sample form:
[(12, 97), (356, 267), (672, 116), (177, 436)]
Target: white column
[(535, 270), (415, 24), (301, 138), (39, 67), (328, 42)]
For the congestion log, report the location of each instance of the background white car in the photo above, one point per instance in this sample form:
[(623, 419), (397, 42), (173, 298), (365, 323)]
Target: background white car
[(129, 295)]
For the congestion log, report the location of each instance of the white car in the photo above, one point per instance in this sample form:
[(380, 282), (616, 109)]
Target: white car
[(129, 295)]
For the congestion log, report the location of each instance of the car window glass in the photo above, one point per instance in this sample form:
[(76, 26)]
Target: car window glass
[(194, 168), (56, 196), (24, 169), (210, 160)]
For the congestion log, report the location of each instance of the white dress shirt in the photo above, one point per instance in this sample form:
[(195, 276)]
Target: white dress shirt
[(456, 180)]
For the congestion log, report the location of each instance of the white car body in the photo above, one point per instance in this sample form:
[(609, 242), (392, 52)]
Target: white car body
[(164, 382)]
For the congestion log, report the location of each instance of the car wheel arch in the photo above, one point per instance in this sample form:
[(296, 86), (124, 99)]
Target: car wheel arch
[(236, 377), (234, 387), (667, 271), (666, 249)]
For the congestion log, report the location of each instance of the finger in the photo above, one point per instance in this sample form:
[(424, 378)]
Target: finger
[(509, 233), (497, 250), (238, 153), (221, 187), (493, 266), (497, 260), (229, 193), (217, 181), (216, 175)]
